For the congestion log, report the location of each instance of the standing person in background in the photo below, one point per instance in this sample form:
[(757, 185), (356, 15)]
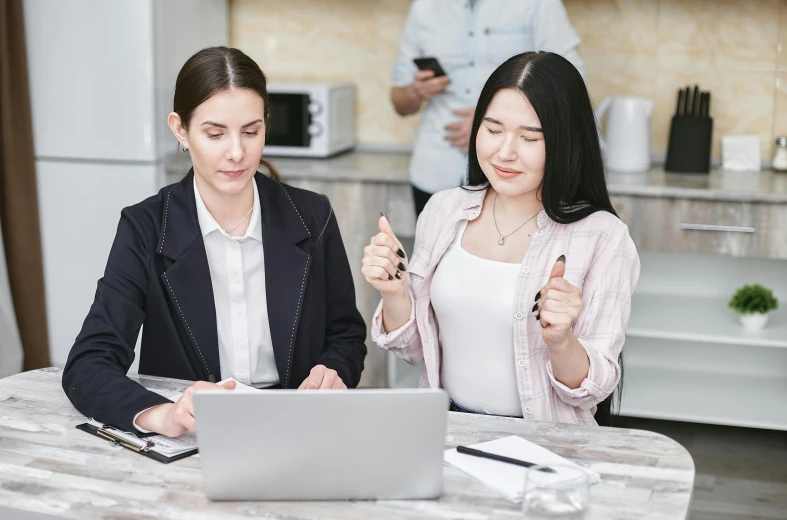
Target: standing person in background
[(469, 38)]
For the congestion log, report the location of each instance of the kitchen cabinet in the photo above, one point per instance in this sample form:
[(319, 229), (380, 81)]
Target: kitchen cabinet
[(685, 225), (686, 356)]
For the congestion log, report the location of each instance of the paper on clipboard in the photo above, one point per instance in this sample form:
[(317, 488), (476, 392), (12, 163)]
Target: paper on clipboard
[(168, 446)]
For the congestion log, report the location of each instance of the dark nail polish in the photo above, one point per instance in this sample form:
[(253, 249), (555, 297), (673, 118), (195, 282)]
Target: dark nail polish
[(535, 308), (400, 253), (401, 267), (538, 317), (562, 258), (398, 275), (390, 277), (538, 295)]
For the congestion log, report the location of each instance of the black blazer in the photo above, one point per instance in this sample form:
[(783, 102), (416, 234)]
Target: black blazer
[(157, 275)]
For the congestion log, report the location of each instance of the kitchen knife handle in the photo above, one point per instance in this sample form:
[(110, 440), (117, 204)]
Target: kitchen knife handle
[(679, 109), (695, 103)]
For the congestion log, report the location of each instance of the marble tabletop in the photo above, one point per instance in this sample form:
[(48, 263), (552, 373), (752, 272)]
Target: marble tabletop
[(48, 467), (393, 167)]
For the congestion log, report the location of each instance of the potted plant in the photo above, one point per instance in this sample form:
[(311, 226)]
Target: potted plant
[(752, 303)]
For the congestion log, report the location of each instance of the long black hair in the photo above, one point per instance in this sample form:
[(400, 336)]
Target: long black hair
[(574, 185)]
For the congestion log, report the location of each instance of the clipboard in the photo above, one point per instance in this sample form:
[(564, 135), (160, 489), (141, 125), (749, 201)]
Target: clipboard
[(143, 447)]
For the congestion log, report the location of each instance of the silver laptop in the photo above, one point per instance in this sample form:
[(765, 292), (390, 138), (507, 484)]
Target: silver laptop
[(322, 445)]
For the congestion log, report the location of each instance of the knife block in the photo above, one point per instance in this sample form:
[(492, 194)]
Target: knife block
[(689, 148)]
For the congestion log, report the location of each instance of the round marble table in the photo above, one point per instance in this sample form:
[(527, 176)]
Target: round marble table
[(49, 468)]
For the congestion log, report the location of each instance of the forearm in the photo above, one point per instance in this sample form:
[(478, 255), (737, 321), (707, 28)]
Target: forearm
[(570, 363), (153, 419), (345, 354), (102, 391), (405, 100), (396, 309)]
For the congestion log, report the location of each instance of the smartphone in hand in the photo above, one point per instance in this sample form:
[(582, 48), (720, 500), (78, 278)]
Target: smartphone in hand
[(430, 63)]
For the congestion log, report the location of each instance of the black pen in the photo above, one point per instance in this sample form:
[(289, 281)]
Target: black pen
[(500, 458)]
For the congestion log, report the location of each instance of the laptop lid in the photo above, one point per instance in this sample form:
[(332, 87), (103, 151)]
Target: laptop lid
[(322, 445)]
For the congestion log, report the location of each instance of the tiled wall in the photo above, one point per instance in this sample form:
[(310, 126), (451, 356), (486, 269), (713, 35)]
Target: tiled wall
[(652, 47), (647, 48)]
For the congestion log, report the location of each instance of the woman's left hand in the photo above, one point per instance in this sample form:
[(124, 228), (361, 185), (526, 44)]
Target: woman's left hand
[(323, 378), (558, 304)]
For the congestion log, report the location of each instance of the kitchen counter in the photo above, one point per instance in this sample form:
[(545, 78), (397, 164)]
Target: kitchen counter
[(48, 467), (765, 186), (393, 168)]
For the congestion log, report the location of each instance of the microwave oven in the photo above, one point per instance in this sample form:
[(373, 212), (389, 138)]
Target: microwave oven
[(310, 119)]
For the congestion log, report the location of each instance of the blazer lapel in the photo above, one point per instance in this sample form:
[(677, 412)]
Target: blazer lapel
[(187, 280), (287, 264)]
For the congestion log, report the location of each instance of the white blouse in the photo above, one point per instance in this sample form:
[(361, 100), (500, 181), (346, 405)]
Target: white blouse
[(473, 300), (237, 274)]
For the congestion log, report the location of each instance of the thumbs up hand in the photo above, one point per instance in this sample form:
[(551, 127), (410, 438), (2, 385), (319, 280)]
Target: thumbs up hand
[(557, 306), (559, 269), (384, 260)]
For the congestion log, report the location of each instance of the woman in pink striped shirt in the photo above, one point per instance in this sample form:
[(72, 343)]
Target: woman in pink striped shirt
[(518, 291)]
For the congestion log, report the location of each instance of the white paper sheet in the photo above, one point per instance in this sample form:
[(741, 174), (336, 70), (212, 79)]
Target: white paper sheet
[(507, 479), (239, 387)]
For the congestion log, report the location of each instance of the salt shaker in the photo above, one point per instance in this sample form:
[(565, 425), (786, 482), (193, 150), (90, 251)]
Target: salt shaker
[(780, 157)]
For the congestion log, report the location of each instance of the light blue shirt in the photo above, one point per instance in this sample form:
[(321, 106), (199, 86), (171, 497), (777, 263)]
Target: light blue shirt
[(470, 40)]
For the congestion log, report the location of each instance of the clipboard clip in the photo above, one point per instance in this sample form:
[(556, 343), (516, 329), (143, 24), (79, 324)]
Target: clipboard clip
[(107, 432)]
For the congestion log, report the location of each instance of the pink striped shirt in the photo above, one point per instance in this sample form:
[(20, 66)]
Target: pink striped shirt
[(601, 260)]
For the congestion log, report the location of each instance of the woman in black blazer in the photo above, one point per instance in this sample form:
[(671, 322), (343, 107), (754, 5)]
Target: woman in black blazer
[(190, 265)]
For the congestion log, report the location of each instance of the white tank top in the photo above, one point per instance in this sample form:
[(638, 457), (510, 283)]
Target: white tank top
[(473, 301)]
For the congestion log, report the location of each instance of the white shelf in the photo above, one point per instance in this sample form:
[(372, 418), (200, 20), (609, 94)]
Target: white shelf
[(700, 319), (713, 398)]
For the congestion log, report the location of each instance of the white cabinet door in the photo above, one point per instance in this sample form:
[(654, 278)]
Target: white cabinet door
[(91, 78), (79, 208)]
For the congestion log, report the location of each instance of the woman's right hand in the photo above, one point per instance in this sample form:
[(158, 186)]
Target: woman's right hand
[(174, 419), (384, 260)]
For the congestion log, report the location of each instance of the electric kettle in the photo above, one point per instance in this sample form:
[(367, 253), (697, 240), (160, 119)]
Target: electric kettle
[(626, 141)]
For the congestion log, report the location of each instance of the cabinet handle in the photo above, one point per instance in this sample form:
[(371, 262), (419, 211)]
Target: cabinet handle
[(716, 227)]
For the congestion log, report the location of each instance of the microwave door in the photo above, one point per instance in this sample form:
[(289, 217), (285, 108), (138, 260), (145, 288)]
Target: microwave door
[(289, 120)]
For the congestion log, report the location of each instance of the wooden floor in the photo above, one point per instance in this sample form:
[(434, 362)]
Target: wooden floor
[(741, 473)]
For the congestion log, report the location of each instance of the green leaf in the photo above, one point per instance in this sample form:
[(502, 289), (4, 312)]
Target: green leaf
[(752, 299)]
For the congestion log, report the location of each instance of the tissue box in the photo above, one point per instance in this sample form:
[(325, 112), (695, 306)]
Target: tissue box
[(740, 153)]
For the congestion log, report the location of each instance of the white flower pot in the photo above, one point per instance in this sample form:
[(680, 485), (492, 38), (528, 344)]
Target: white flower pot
[(753, 322)]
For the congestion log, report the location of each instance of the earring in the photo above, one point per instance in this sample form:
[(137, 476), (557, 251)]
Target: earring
[(183, 147)]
